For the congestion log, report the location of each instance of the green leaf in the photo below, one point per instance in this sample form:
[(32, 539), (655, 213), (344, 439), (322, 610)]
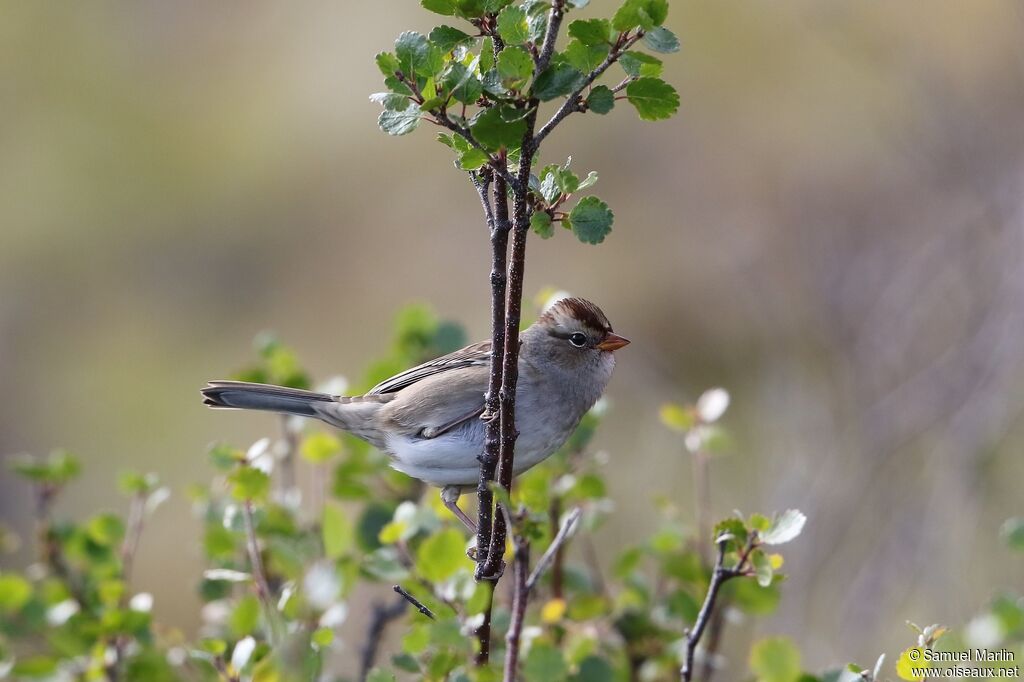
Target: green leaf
[(662, 40), (601, 99), (59, 468), (544, 663), (338, 534), (400, 122), (472, 159), (785, 527), (751, 598), (583, 57), (591, 220), (320, 447), (387, 63), (417, 58), (654, 99), (909, 660), (594, 669), (1012, 533), (762, 568), (105, 529), (515, 66), (512, 25), (249, 484), (447, 38), (643, 13), (134, 483), (486, 54), (775, 659), (591, 32), (245, 616), (441, 555), (461, 82), (322, 637), (639, 64), (498, 127), (540, 222), (445, 7), (557, 80), (15, 592), (377, 674)]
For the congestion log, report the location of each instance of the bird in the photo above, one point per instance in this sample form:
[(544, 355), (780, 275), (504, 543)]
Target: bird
[(427, 419)]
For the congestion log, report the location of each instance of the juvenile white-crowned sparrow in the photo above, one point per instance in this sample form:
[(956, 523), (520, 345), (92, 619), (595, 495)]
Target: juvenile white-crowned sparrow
[(427, 418)]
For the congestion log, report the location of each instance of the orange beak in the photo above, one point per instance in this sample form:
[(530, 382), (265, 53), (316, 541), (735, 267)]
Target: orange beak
[(613, 342)]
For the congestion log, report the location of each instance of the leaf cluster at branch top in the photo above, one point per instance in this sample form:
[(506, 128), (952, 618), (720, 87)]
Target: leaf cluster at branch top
[(454, 74)]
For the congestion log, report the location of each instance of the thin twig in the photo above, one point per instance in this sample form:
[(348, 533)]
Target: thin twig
[(136, 518), (520, 595), (382, 615), (719, 576), (414, 601), (483, 631), (258, 574), (442, 119), (555, 17), (564, 533), (572, 102)]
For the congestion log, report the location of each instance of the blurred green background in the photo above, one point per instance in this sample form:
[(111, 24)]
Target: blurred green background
[(832, 228)]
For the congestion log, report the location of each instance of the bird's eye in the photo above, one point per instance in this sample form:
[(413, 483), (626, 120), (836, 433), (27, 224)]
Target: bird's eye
[(578, 339)]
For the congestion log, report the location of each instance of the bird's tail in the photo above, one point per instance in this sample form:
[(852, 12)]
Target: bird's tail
[(247, 396)]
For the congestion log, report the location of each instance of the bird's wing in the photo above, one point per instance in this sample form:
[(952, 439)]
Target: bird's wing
[(438, 402), (475, 355)]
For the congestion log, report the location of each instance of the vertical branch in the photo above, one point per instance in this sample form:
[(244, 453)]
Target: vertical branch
[(483, 632), (497, 222), (513, 316), (702, 502), (136, 517), (520, 595), (259, 576)]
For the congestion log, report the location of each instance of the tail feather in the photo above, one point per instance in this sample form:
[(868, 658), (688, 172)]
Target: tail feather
[(248, 396)]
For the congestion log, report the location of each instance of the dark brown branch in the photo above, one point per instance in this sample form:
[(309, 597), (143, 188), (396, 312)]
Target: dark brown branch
[(382, 616), (520, 595), (555, 17), (513, 315), (573, 102), (496, 210), (414, 601), (483, 632), (719, 576)]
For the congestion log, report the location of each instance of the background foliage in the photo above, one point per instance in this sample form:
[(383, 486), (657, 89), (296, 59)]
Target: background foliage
[(847, 264)]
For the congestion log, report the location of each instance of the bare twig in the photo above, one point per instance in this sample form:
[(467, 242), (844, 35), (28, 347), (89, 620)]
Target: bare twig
[(564, 533), (719, 576), (520, 595), (414, 601), (382, 616), (442, 119), (259, 576), (136, 518), (555, 17), (483, 631), (572, 102)]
